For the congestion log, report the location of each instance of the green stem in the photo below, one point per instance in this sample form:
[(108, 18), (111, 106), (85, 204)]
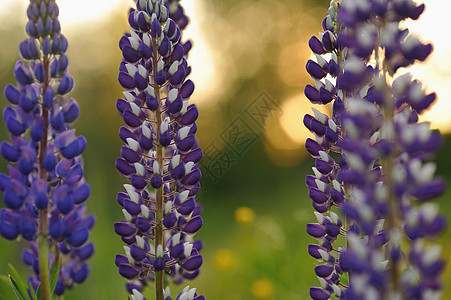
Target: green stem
[(387, 168), (341, 61), (43, 213), (159, 239), (44, 255)]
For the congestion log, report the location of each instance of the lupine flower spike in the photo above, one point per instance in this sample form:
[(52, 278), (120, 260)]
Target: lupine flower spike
[(160, 154), (372, 157), (45, 190)]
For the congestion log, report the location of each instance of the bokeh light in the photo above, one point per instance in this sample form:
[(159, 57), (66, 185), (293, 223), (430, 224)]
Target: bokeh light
[(263, 289), (244, 216), (224, 261)]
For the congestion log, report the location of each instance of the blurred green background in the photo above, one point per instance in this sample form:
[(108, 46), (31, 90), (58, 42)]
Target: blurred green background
[(249, 63)]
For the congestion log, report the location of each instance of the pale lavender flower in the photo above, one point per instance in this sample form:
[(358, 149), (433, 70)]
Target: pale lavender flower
[(384, 180)]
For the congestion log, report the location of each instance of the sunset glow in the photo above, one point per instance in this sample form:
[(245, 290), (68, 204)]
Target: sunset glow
[(206, 60)]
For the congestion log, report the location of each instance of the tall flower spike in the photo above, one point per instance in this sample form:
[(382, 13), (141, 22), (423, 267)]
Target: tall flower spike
[(160, 154), (383, 182), (45, 189), (325, 190)]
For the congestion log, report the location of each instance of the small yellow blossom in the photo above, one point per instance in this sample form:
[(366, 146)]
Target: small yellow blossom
[(244, 216), (224, 260), (263, 289)]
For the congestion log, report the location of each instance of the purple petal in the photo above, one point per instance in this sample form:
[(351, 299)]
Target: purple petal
[(126, 81), (128, 271), (124, 228), (193, 225), (324, 270), (315, 230), (193, 263), (312, 94), (319, 294), (429, 190), (316, 46), (79, 237)]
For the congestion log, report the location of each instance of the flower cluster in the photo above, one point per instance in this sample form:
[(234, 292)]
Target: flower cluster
[(160, 154), (383, 181), (325, 190), (45, 189)]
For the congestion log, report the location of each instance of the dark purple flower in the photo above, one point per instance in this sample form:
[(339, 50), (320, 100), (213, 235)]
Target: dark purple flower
[(45, 187)]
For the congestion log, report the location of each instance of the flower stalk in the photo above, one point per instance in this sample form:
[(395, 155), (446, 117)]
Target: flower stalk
[(45, 189), (392, 226), (383, 182), (160, 154), (43, 247), (159, 238), (44, 273)]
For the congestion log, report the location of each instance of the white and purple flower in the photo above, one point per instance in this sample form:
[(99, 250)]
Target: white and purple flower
[(383, 182), (160, 154)]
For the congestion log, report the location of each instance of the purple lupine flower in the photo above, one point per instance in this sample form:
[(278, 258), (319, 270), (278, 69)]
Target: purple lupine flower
[(325, 190), (45, 190), (160, 154), (383, 181)]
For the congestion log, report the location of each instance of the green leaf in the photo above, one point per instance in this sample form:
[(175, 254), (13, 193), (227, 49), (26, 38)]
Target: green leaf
[(6, 293), (30, 288), (20, 285), (344, 278), (16, 290), (19, 282), (54, 272), (38, 292)]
